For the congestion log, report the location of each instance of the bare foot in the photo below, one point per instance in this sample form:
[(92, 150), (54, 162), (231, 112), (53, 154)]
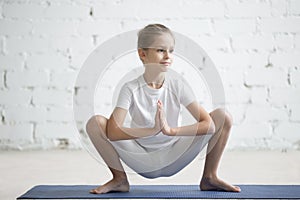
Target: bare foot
[(217, 184), (114, 185)]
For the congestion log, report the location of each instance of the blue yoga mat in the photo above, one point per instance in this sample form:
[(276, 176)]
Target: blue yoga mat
[(163, 192)]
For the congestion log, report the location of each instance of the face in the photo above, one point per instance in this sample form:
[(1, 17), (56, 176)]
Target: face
[(160, 54)]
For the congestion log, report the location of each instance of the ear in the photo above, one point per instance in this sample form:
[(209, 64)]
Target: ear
[(142, 54)]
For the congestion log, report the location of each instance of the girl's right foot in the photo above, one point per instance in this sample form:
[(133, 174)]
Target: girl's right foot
[(114, 185)]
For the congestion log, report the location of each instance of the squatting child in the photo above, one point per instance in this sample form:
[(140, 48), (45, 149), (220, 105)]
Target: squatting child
[(154, 145)]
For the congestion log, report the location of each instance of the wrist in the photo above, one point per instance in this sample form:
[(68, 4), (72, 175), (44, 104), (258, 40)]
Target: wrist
[(155, 130)]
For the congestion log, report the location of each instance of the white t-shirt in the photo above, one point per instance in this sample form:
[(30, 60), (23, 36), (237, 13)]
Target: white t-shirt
[(141, 101)]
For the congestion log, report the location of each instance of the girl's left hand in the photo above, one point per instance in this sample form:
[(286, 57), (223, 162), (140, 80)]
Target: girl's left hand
[(165, 128)]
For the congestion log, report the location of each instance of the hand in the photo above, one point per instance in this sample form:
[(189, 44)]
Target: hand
[(158, 126), (165, 128)]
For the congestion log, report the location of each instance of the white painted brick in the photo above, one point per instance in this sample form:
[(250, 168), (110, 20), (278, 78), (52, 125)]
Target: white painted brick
[(259, 43), (216, 42), (54, 37), (191, 27), (15, 45), (2, 44), (83, 95), (1, 12), (237, 111), (289, 131), (11, 62), (77, 59), (265, 113), (278, 8), (284, 42), (52, 97), (64, 11), (295, 77), (295, 112), (55, 131), (110, 10), (2, 85), (143, 10), (202, 9), (233, 77), (86, 111), (27, 79), (1, 113), (237, 95), (295, 7), (99, 27), (138, 24), (297, 42), (59, 114), (259, 95), (25, 114), (15, 28), (23, 11), (239, 60), (15, 97), (248, 9), (63, 80), (285, 59), (280, 96), (251, 131), (234, 26), (74, 44), (56, 28), (276, 142), (266, 76), (55, 62), (16, 132), (286, 25)]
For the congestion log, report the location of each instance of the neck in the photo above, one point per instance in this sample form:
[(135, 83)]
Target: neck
[(154, 79)]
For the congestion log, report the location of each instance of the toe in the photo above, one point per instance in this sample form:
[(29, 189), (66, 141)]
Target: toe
[(237, 189), (92, 191)]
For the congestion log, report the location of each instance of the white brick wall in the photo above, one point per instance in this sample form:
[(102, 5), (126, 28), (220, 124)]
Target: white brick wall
[(43, 44)]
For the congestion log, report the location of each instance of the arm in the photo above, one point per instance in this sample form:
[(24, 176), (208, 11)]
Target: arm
[(203, 126), (116, 131)]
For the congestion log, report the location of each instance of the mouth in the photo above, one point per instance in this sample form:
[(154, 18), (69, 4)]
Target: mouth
[(165, 63)]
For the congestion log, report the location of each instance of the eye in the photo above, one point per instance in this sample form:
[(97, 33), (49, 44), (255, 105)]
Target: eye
[(171, 51), (160, 50)]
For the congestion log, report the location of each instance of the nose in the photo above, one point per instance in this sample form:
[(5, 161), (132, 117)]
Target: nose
[(167, 54)]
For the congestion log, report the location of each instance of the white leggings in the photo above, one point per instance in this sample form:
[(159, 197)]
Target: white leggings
[(166, 161)]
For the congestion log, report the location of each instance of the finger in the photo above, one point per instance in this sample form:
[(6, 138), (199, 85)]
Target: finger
[(159, 102), (158, 106), (161, 114)]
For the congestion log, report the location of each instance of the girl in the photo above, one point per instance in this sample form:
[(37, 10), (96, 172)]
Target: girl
[(154, 145)]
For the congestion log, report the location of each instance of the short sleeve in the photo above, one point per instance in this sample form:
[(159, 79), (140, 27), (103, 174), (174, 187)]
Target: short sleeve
[(125, 97), (187, 95)]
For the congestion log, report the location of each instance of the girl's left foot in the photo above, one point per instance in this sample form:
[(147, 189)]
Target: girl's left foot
[(218, 185)]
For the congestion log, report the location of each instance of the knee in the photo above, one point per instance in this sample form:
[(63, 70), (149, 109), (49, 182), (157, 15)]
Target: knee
[(228, 120), (96, 124), (222, 118)]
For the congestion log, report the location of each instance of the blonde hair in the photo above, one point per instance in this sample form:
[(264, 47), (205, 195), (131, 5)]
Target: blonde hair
[(147, 35)]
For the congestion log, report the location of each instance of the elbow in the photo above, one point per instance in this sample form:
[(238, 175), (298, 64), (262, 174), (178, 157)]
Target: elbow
[(111, 136)]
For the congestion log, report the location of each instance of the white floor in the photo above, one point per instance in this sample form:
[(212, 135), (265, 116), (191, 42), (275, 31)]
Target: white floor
[(20, 171)]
